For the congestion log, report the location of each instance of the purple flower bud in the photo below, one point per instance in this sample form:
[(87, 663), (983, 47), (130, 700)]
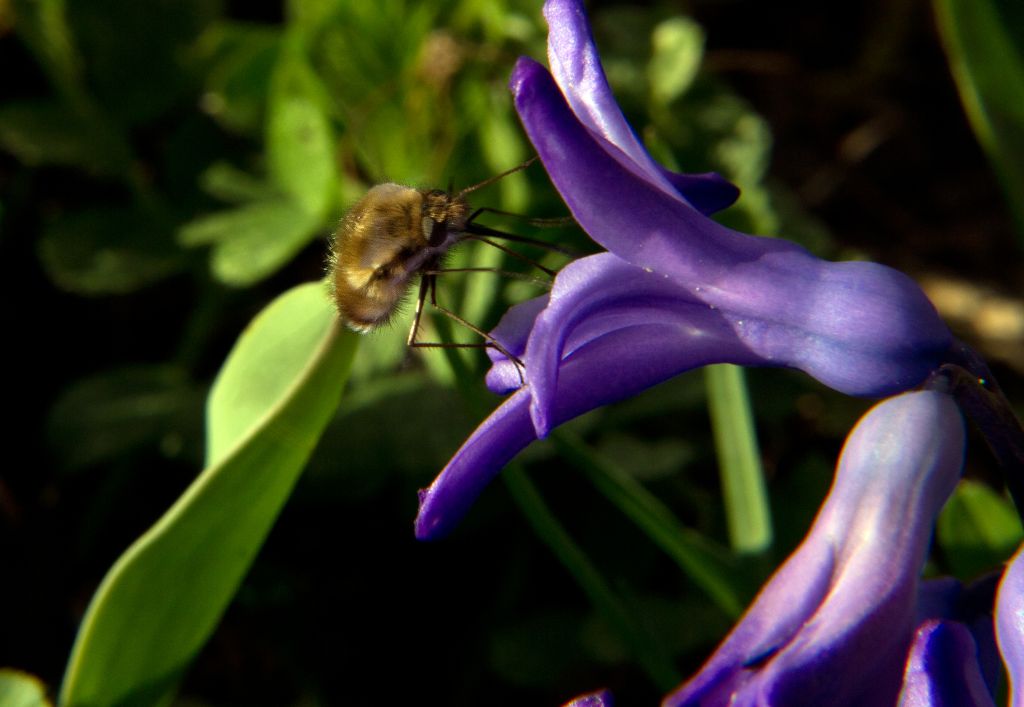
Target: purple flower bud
[(834, 623), (601, 698), (942, 669), (1010, 624)]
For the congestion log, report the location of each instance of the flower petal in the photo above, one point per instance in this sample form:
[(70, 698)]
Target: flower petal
[(601, 293), (576, 65), (707, 192), (861, 328), (499, 438), (601, 698), (833, 624), (573, 57), (1010, 624), (512, 332), (943, 670), (655, 351)]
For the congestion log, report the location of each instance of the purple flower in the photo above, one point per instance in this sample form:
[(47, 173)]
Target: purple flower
[(1010, 624), (601, 698), (676, 291), (834, 624), (859, 327), (943, 669)]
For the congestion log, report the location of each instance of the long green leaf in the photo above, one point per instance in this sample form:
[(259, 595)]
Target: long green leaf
[(704, 562), (645, 650), (164, 596), (987, 61), (746, 500)]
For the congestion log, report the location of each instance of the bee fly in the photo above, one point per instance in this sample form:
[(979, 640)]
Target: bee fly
[(395, 233)]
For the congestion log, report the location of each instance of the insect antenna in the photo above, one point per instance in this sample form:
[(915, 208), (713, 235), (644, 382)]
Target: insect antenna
[(543, 222), (492, 180)]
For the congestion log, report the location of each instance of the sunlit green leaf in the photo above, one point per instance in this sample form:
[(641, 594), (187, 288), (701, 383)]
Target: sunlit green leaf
[(985, 46), (252, 241), (678, 46), (266, 361), (228, 183), (300, 144), (164, 596), (978, 529)]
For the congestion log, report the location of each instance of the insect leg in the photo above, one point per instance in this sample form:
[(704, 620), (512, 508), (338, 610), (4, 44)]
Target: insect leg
[(514, 254), (426, 280), (489, 341), (429, 283)]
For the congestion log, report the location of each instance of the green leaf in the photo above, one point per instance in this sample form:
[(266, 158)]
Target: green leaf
[(45, 133), (108, 251), (987, 61), (614, 611), (739, 461), (267, 360), (678, 47), (300, 144), (703, 562), (163, 597), (978, 529), (228, 183), (252, 241), (108, 415), (241, 59), (18, 689), (134, 53), (43, 26)]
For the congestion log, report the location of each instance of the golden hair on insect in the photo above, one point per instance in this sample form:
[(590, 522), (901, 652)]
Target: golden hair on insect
[(389, 236), (395, 233)]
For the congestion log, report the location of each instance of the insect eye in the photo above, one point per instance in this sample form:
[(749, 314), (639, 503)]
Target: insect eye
[(438, 232)]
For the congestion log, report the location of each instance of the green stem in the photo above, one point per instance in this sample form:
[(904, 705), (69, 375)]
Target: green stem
[(746, 500)]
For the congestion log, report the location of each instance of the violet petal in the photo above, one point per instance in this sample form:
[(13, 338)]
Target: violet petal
[(861, 328), (1010, 624), (833, 624), (942, 669), (656, 352)]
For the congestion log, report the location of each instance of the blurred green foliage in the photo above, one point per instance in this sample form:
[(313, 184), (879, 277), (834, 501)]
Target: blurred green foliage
[(19, 689), (176, 167), (984, 40)]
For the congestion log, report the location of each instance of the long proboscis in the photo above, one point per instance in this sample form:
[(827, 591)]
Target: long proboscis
[(475, 229)]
